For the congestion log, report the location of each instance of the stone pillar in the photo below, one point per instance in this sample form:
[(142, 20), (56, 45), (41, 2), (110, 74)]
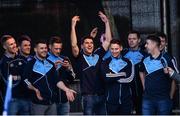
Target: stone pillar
[(175, 42)]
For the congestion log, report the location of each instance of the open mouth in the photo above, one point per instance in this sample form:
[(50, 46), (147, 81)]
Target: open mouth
[(90, 48)]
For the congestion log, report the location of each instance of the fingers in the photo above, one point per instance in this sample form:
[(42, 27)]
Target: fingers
[(94, 32), (165, 70), (66, 64), (70, 95), (38, 94), (94, 29), (169, 69), (74, 92), (103, 17), (100, 13), (39, 97), (75, 19), (59, 61)]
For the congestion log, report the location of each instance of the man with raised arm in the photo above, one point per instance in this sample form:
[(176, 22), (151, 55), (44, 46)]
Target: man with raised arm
[(88, 61)]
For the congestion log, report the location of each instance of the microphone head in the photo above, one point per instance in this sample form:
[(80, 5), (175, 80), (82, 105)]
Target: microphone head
[(163, 63)]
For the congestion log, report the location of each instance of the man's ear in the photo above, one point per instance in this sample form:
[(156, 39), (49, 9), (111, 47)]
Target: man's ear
[(49, 46), (121, 48), (139, 40), (4, 46), (35, 49), (81, 46), (18, 47)]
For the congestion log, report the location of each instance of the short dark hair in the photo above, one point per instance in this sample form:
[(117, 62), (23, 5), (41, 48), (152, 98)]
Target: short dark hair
[(86, 37), (22, 38), (4, 38), (134, 32), (39, 41), (54, 39), (161, 34), (116, 41), (154, 38)]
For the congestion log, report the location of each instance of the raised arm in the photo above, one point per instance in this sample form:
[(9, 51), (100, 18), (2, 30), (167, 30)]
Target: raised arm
[(74, 45), (94, 32), (108, 36)]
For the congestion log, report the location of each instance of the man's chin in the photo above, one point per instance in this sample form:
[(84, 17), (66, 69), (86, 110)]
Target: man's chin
[(14, 52), (89, 51), (148, 52)]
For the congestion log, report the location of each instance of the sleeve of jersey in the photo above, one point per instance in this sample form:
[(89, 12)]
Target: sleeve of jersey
[(27, 73), (174, 64), (65, 75), (3, 70), (170, 62), (176, 76), (129, 74), (1, 80), (141, 67), (57, 77), (100, 51)]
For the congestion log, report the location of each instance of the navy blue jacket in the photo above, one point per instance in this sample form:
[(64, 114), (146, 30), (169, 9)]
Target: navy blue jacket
[(136, 56), (157, 83), (89, 72), (13, 66), (65, 75), (43, 76), (118, 73)]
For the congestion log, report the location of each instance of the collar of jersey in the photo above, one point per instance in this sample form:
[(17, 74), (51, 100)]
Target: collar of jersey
[(158, 58)]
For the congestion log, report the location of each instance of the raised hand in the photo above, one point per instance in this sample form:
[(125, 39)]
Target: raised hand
[(75, 48), (75, 19), (103, 17), (94, 32), (107, 35)]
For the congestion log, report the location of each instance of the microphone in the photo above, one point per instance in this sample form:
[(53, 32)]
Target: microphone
[(164, 63)]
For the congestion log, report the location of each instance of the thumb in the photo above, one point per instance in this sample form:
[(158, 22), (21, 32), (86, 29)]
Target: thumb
[(73, 91)]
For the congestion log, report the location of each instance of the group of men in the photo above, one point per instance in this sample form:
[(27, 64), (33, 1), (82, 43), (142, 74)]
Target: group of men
[(113, 80), (36, 78)]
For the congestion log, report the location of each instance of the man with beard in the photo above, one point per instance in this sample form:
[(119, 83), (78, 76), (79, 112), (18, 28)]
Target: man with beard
[(156, 83), (41, 77)]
